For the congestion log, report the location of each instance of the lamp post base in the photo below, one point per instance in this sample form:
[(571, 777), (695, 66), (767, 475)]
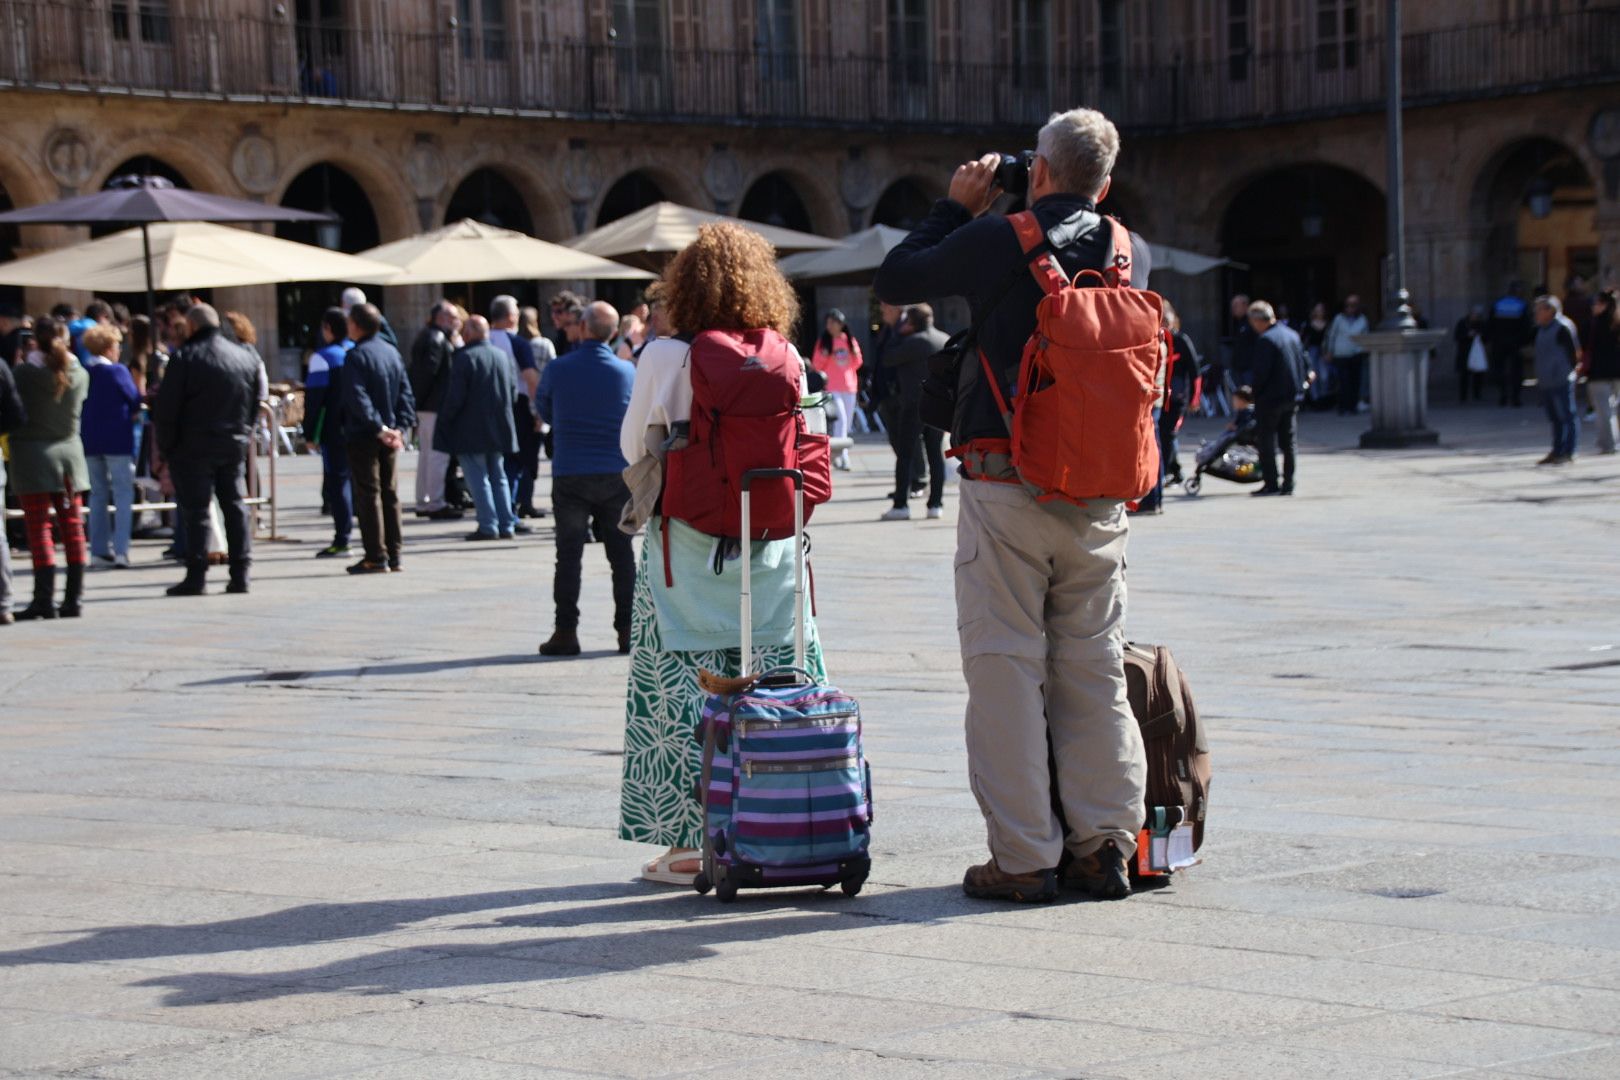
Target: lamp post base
[(1378, 439), (1400, 388)]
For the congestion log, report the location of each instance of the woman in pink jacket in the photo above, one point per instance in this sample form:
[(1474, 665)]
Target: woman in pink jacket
[(838, 358)]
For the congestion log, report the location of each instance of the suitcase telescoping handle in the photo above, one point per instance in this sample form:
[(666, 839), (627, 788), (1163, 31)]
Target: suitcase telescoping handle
[(798, 564)]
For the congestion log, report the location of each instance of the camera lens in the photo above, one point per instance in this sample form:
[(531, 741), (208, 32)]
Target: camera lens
[(1012, 175)]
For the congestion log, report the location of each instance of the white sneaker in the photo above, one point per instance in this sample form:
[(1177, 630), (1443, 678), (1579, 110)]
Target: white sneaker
[(935, 513), (897, 513), (120, 562)]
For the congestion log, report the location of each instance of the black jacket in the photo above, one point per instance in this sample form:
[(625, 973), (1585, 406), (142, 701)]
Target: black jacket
[(906, 362), (953, 254), (476, 416), (430, 366), (1605, 350), (12, 413), (1184, 376), (209, 399), (1279, 367), (376, 393)]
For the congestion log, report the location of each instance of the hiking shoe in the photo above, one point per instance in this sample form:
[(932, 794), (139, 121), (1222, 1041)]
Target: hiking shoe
[(896, 513), (366, 566), (1104, 873), (988, 881), (333, 551), (1550, 459)]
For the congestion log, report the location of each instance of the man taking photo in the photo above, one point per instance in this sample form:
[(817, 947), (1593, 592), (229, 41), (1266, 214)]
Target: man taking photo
[(1040, 586)]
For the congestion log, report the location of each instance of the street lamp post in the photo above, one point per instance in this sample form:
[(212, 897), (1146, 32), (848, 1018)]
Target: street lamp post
[(1398, 349)]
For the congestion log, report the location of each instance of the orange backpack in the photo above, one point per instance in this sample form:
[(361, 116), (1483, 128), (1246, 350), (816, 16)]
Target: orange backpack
[(1081, 417)]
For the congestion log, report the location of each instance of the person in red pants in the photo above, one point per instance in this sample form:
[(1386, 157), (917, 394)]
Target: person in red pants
[(48, 470)]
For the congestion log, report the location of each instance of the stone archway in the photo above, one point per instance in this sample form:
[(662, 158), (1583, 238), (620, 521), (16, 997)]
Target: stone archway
[(631, 192), (1307, 233), (487, 196), (321, 186), (774, 199), (1534, 212), (903, 204)]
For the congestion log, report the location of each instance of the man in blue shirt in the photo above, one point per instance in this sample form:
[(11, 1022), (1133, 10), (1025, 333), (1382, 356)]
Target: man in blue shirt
[(323, 427), (583, 396)]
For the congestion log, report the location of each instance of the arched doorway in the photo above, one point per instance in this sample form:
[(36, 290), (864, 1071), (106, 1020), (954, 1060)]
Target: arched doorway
[(903, 205), (629, 193), (11, 296), (487, 196), (321, 187), (1306, 233), (1538, 206), (773, 200)]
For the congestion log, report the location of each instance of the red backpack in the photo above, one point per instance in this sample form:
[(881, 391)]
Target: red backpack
[(1081, 417), (745, 415)]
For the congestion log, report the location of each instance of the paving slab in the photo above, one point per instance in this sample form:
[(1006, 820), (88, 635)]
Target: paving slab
[(357, 827)]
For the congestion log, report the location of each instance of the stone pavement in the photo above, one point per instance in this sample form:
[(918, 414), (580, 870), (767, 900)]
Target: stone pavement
[(355, 827)]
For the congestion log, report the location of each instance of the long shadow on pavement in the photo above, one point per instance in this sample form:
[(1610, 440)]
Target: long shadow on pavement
[(303, 925), (693, 927), (410, 667)]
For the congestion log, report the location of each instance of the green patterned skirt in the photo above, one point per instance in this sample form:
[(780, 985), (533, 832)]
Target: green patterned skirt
[(662, 749)]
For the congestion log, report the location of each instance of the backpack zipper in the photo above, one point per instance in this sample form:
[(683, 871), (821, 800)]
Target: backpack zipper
[(796, 767), (823, 720)]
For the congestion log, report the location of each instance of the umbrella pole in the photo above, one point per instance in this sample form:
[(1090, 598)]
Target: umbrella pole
[(146, 258)]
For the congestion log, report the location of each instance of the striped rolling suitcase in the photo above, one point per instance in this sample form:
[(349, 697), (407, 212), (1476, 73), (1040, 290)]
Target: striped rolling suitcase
[(786, 791)]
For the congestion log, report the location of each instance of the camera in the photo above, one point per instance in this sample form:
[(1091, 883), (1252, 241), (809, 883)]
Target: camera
[(1012, 175)]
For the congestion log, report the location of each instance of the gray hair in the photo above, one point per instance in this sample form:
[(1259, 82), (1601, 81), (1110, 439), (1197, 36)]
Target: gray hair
[(202, 315), (601, 321), (1080, 147), (1262, 310), (353, 296), (502, 308), (1551, 303)]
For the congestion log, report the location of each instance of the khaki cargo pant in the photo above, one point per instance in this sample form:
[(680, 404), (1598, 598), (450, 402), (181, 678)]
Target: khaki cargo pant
[(1040, 600)]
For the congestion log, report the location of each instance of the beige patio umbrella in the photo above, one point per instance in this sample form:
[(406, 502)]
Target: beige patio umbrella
[(653, 235), (853, 262), (471, 251), (187, 255)]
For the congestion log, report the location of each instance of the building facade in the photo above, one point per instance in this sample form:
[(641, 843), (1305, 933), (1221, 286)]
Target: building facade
[(1252, 128)]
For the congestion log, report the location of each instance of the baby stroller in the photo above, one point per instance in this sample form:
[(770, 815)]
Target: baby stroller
[(1231, 456)]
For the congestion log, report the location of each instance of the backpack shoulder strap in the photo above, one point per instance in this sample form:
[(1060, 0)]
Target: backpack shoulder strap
[(1120, 264), (1032, 238)]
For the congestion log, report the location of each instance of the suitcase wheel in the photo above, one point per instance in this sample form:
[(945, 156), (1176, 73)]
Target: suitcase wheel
[(726, 892), (702, 884), (852, 885), (1192, 485)]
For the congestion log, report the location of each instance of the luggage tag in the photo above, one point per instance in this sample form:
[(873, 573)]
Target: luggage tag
[(1167, 844)]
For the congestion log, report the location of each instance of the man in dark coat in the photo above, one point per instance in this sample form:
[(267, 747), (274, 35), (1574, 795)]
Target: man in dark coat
[(476, 424), (429, 370), (377, 408), (1279, 379), (205, 413), (905, 365)]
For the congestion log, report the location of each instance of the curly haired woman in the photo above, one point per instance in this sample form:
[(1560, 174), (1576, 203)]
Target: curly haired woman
[(726, 280)]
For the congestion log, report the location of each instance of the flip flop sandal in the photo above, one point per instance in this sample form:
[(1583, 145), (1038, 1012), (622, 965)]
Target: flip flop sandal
[(660, 869)]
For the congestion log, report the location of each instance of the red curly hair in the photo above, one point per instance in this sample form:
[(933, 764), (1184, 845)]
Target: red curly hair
[(727, 279)]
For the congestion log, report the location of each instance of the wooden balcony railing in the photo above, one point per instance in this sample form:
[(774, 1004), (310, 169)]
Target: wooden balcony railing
[(67, 45)]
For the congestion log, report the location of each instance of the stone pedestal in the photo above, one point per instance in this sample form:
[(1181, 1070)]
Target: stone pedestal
[(1399, 362)]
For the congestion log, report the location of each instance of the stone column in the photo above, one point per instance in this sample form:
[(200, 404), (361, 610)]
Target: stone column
[(1400, 388)]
